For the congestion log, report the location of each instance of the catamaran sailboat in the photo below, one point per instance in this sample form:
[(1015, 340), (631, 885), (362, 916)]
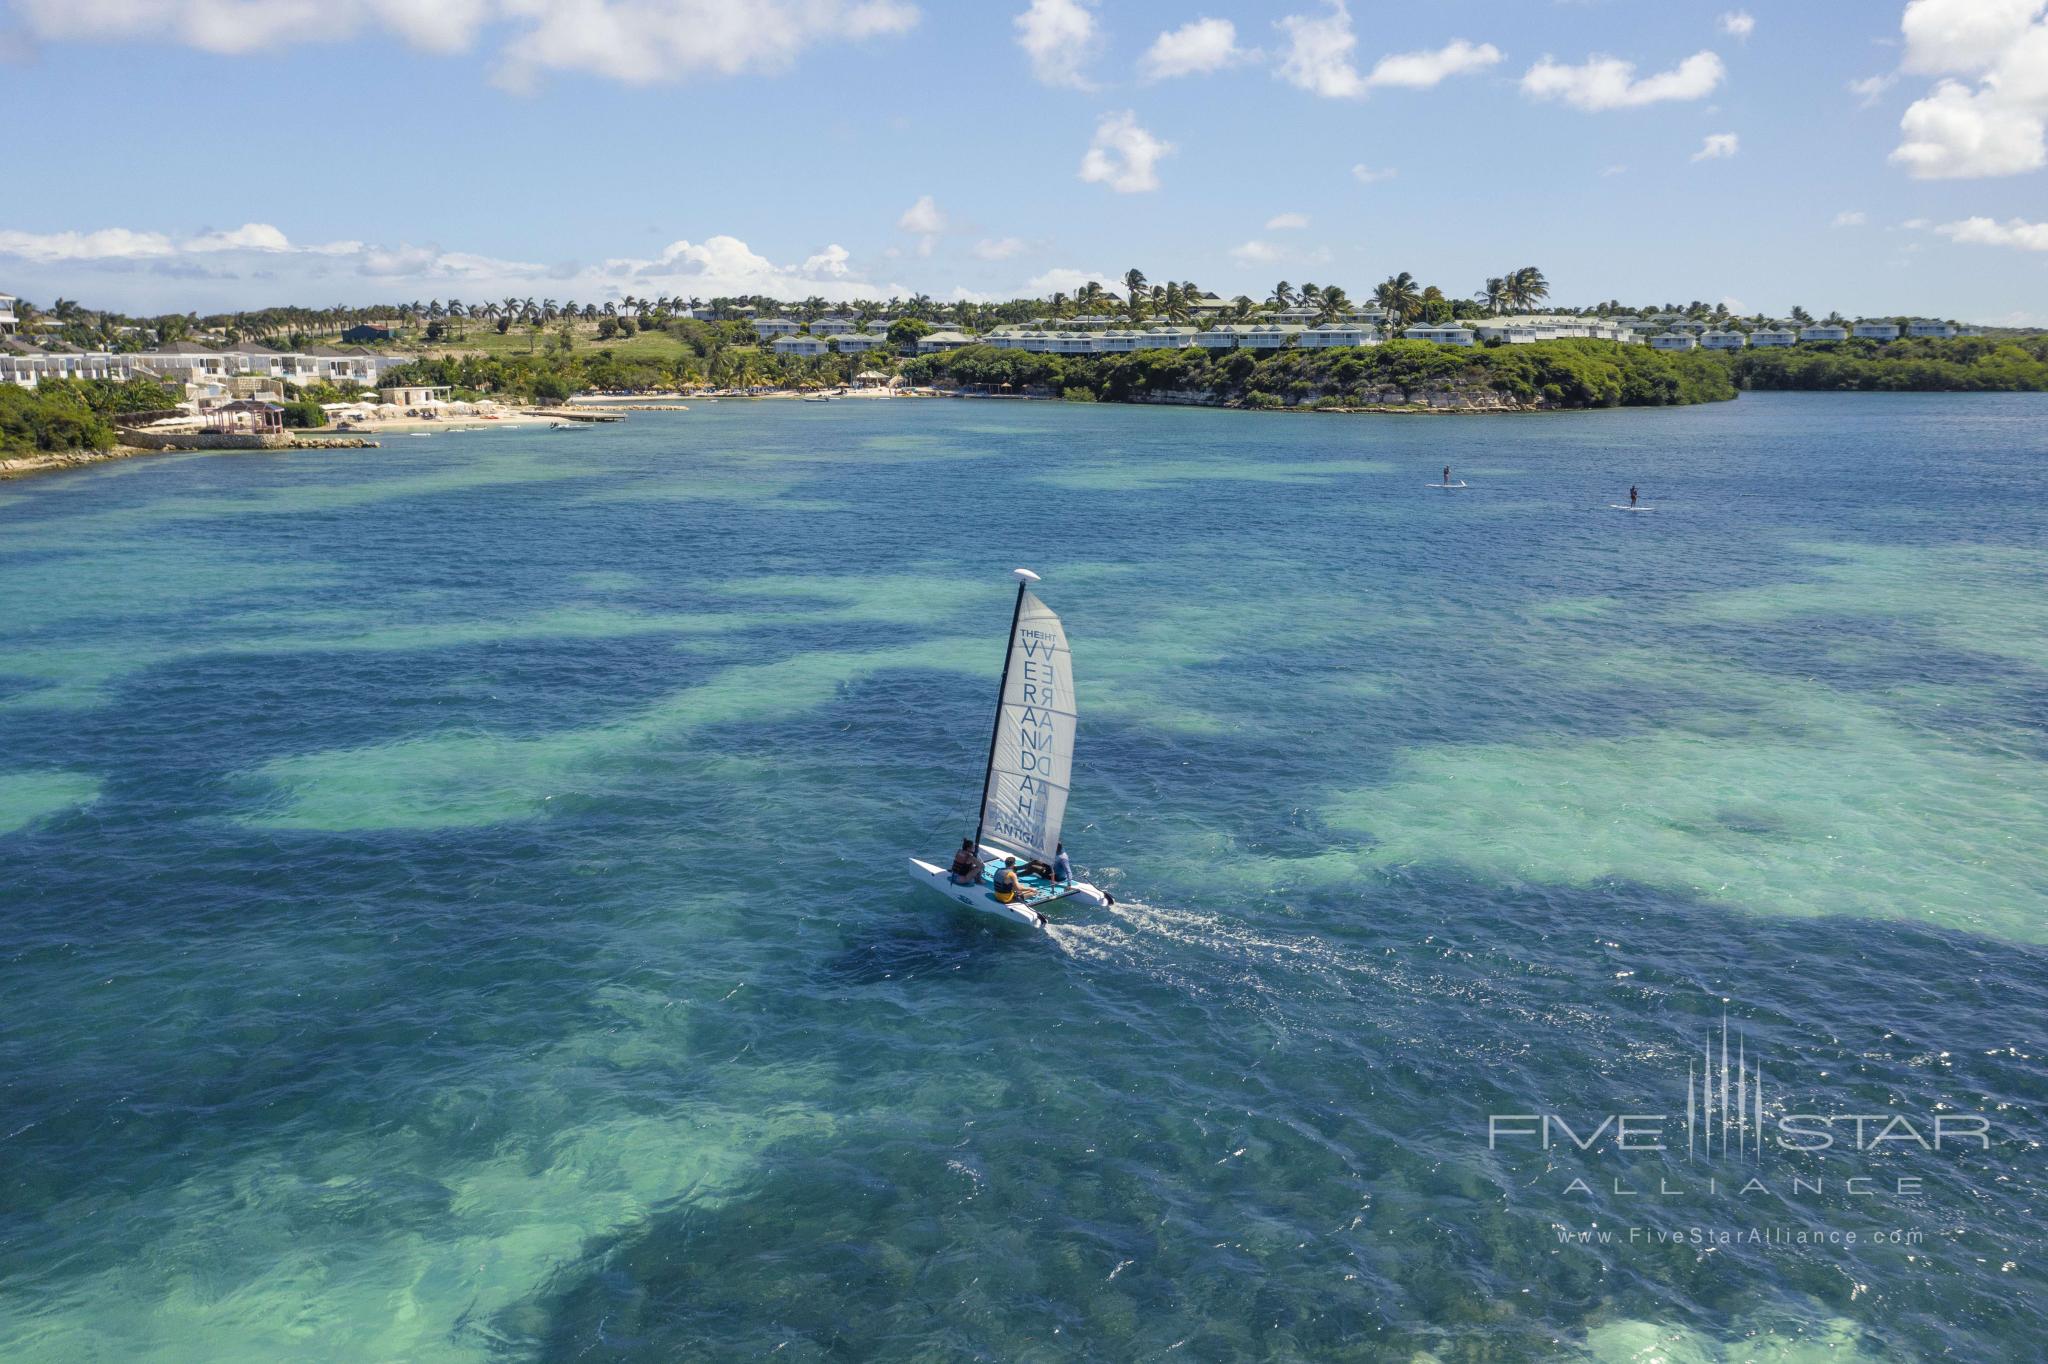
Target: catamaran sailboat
[(1030, 763)]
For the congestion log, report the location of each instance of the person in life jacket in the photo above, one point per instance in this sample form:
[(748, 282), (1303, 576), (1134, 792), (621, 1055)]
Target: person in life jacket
[(1005, 881), (966, 866)]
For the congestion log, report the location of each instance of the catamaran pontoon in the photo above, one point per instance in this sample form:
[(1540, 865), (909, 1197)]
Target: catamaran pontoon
[(1030, 764)]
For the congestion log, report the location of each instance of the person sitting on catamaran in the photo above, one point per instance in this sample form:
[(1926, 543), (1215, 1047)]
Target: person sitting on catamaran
[(966, 866), (1005, 881), (1062, 869)]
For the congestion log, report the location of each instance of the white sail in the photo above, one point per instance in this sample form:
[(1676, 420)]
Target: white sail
[(1033, 759)]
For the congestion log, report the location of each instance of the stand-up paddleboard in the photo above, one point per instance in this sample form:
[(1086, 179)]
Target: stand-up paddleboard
[(1623, 506), (1446, 485), (1024, 788)]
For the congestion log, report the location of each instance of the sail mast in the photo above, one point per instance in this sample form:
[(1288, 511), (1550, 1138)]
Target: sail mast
[(1025, 577)]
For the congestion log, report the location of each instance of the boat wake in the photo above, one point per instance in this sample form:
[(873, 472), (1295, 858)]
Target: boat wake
[(1223, 960), (1170, 943)]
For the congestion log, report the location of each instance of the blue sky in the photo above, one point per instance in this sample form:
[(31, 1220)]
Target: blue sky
[(1866, 155)]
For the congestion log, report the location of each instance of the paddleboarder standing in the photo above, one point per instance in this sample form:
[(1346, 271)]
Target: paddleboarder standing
[(1631, 494)]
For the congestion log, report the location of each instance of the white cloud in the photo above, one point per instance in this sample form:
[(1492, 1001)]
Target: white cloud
[(642, 42), (1870, 87), (1422, 70), (1000, 248), (922, 216), (120, 243), (1255, 253), (109, 243), (1193, 49), (1066, 280), (247, 237), (236, 27), (832, 261), (1059, 36), (1737, 23), (1318, 55), (256, 264), (1283, 221), (1851, 217), (1366, 175), (1718, 147), (1959, 133), (1999, 126), (1945, 37), (636, 41), (1915, 224), (2014, 232), (1124, 156), (1616, 169), (1601, 83)]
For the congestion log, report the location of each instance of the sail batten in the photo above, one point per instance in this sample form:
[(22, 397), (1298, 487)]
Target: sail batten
[(1032, 760)]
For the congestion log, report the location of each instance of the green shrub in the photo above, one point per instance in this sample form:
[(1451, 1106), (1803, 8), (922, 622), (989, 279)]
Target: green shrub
[(304, 412)]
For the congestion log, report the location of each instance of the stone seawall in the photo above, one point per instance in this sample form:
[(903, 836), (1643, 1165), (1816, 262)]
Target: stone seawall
[(203, 440)]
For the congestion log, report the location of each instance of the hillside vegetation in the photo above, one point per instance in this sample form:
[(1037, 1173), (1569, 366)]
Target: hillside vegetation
[(73, 415), (1547, 374), (1964, 364)]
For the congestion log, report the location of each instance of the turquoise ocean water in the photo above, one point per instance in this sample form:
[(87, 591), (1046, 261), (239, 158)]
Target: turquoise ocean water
[(452, 906)]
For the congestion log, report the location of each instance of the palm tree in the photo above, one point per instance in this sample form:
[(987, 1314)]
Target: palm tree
[(1397, 294), (1134, 292), (1334, 304), (1311, 296), (1282, 295), (1492, 293), (1242, 306)]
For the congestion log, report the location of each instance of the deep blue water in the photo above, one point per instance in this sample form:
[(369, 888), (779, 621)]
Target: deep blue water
[(451, 895)]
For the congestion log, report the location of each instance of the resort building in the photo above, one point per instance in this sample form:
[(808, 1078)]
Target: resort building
[(879, 325), (1875, 331), (1773, 336), (1825, 331), (800, 345), (1919, 326), (1525, 329), (1674, 341), (765, 327), (938, 341), (204, 370), (1444, 336), (335, 365), (1965, 329), (832, 326), (420, 395), (1723, 340), (855, 343), (1691, 326), (1249, 336), (1341, 334), (7, 322)]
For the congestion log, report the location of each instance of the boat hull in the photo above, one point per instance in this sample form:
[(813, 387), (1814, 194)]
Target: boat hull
[(981, 899)]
